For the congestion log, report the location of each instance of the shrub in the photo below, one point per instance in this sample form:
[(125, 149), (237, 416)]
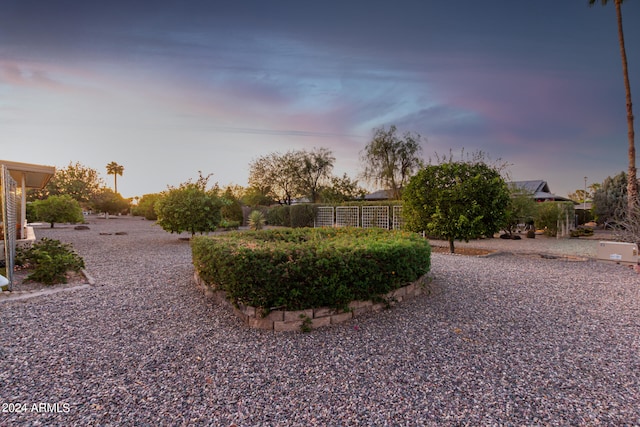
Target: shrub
[(256, 220), (58, 209), (226, 224), (190, 207), (146, 206), (302, 215), (50, 260), (306, 268), (582, 232), (279, 216), (549, 213)]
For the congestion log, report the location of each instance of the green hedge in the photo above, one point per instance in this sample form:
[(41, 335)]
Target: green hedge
[(297, 269), (295, 216)]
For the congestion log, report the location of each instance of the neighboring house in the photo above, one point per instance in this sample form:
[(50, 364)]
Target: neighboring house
[(539, 190), (378, 195)]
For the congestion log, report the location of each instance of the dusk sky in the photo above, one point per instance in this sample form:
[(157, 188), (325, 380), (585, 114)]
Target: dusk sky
[(170, 88)]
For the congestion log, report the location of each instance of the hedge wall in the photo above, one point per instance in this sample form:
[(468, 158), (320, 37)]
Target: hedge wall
[(297, 269)]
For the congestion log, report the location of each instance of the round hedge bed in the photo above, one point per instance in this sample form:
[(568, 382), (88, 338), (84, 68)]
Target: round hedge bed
[(297, 269)]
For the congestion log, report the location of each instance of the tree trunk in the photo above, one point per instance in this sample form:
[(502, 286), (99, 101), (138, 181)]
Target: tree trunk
[(452, 248), (632, 182)]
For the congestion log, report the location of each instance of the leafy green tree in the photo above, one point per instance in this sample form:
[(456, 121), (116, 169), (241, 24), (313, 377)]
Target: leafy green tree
[(76, 180), (190, 207), (232, 208), (342, 189), (61, 208), (456, 201), (109, 202), (611, 198), (548, 214), (115, 169), (390, 160), (255, 196), (632, 183), (146, 206), (520, 210)]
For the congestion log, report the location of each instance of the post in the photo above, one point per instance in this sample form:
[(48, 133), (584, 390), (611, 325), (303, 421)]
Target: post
[(584, 202)]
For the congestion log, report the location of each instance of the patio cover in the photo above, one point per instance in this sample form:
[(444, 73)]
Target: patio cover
[(35, 176)]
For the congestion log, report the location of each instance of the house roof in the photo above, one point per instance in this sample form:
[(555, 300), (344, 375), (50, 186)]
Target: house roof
[(378, 195), (35, 176), (539, 189)]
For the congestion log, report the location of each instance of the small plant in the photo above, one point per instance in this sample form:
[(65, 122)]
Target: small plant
[(227, 224), (256, 220), (582, 231), (306, 324), (50, 260)]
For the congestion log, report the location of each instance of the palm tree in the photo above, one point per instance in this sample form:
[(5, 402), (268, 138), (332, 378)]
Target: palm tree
[(115, 169), (632, 182)]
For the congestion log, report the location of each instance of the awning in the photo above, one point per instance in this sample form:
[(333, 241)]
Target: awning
[(36, 176)]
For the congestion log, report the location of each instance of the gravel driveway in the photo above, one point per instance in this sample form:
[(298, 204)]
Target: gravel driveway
[(501, 340)]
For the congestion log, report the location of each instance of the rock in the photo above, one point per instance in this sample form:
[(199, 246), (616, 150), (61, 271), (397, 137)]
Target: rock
[(121, 233), (81, 227)]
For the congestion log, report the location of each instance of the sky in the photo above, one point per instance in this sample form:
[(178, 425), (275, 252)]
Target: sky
[(170, 88)]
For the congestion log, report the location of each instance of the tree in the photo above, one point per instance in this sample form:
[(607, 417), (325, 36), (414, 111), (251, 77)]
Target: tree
[(146, 206), (115, 169), (342, 189), (76, 180), (610, 198), (390, 160), (456, 200), (277, 175), (190, 207), (63, 208), (109, 202), (632, 182), (232, 208), (313, 170), (254, 196), (520, 210)]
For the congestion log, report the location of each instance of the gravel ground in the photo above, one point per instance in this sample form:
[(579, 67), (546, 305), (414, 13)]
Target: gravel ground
[(500, 340)]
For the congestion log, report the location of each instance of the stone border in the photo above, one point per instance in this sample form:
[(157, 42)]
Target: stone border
[(283, 320), (63, 287)]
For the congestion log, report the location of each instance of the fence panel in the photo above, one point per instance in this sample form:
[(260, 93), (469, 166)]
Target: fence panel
[(375, 216), (398, 220), (347, 216), (324, 217)]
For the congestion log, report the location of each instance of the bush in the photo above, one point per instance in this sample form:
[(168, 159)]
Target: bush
[(279, 216), (50, 260), (58, 209), (582, 232), (226, 224), (256, 220), (549, 213), (302, 215), (306, 268), (189, 207), (146, 206)]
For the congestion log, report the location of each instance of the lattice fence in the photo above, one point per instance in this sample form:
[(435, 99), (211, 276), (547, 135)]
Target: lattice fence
[(375, 216), (9, 220), (347, 216), (398, 220), (324, 217)]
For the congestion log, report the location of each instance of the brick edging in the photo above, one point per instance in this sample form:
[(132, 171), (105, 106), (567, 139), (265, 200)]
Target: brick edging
[(284, 320)]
